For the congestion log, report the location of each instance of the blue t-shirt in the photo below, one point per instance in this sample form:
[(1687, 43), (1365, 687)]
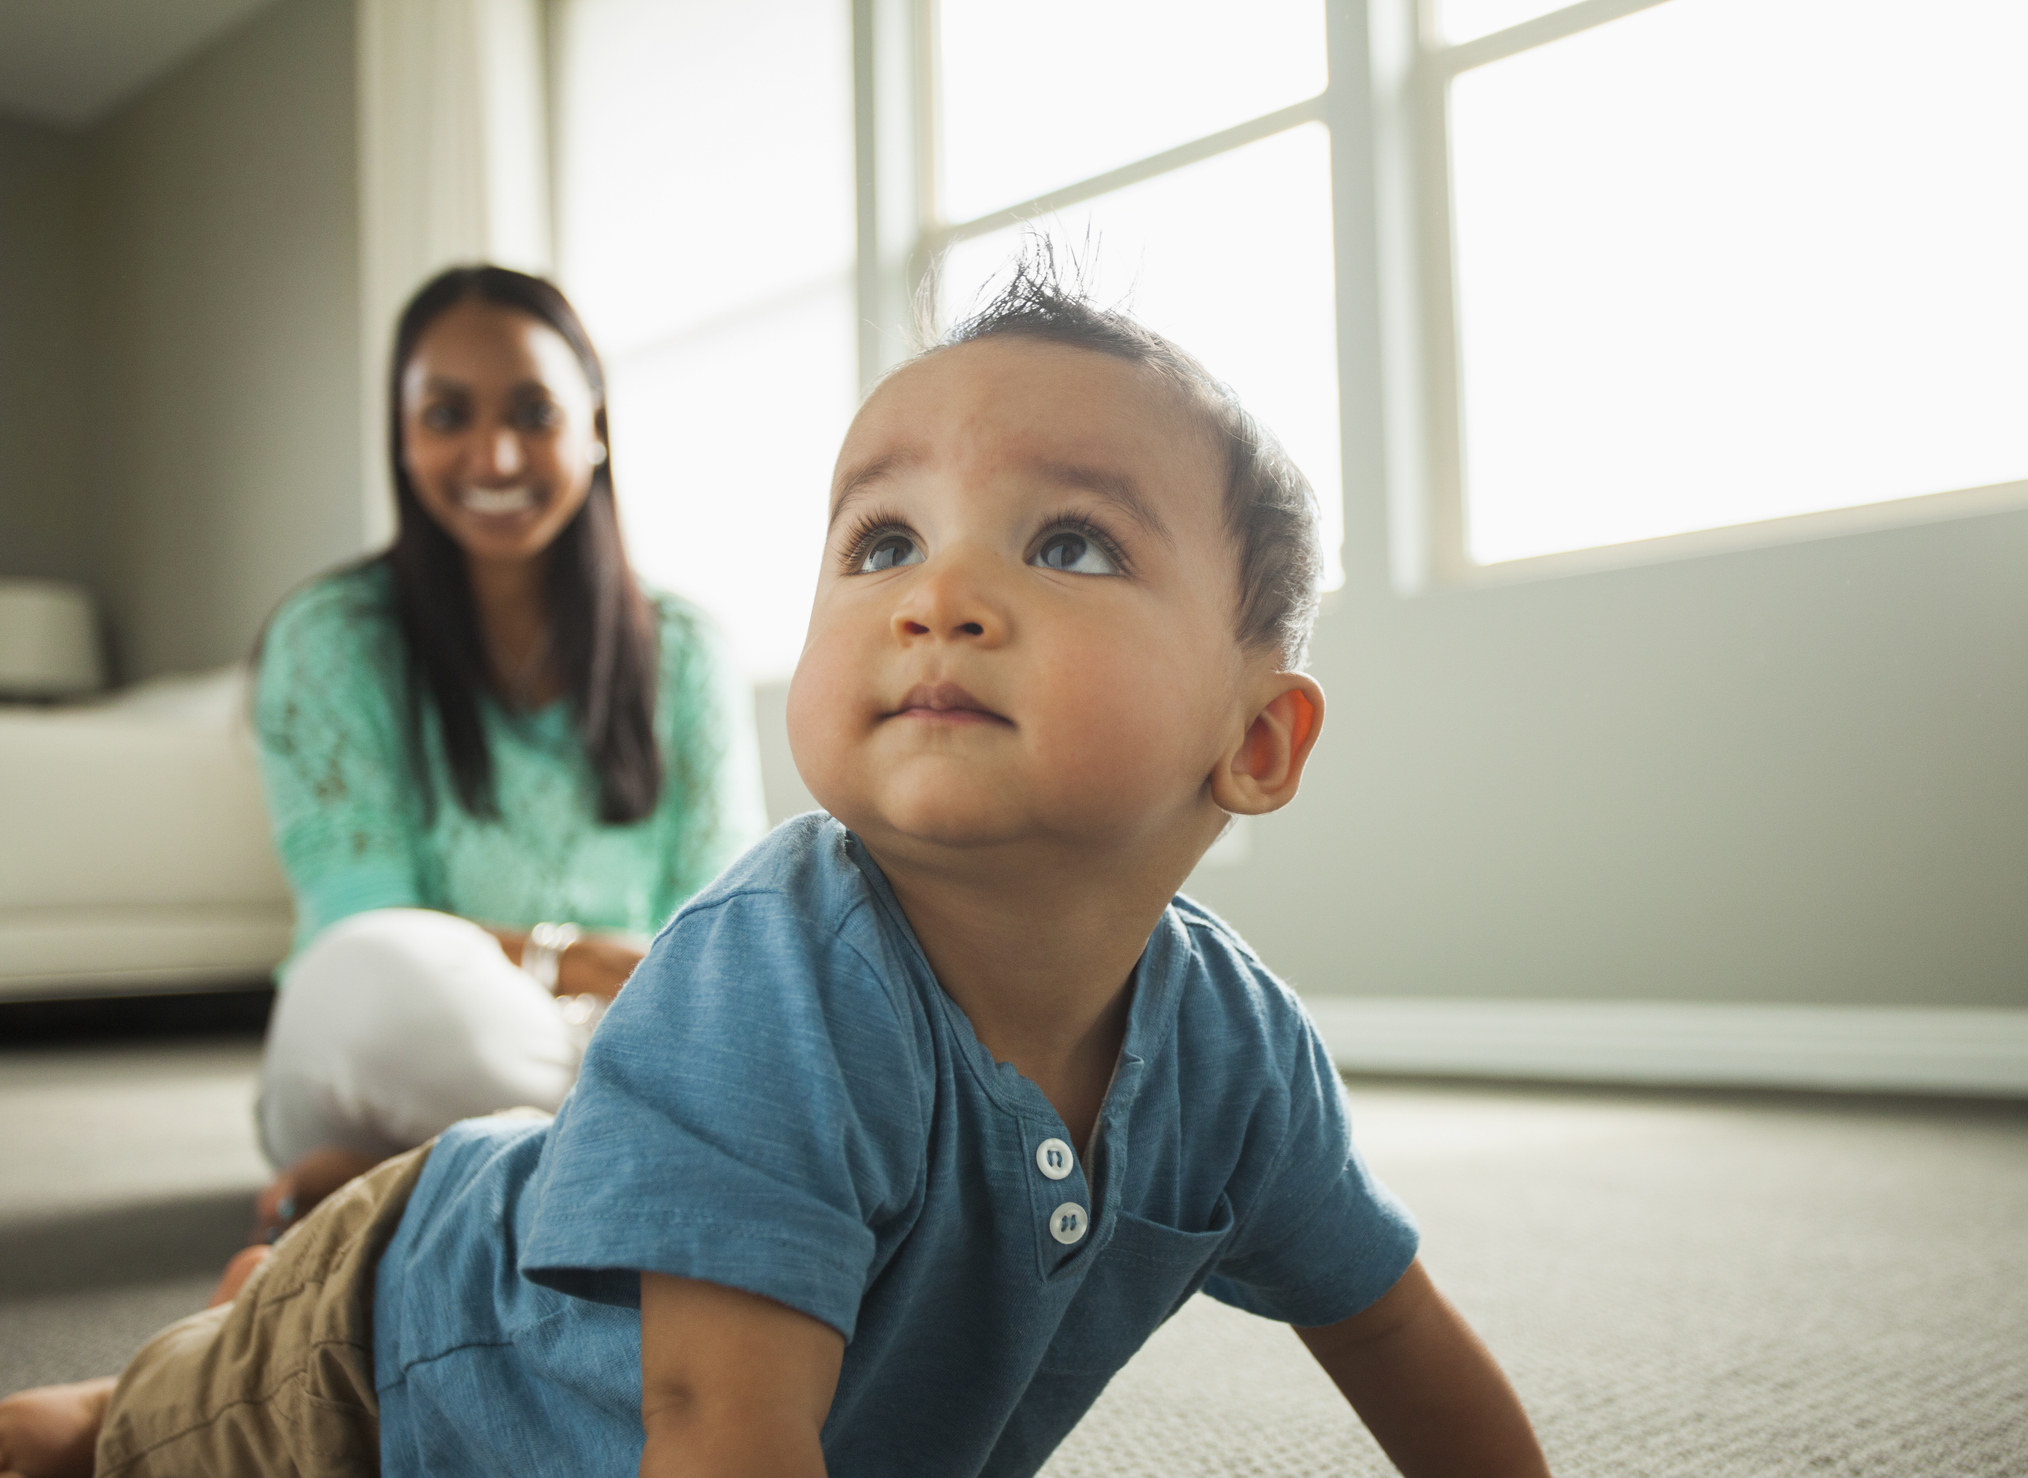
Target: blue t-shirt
[(784, 1100)]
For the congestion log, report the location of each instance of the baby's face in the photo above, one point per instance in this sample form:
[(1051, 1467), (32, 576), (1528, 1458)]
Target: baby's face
[(1024, 628)]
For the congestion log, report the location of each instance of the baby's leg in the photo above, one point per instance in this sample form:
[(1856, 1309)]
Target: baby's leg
[(277, 1368), (280, 1378), (52, 1431)]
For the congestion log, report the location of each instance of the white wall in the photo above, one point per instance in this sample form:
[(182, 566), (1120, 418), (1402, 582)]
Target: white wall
[(223, 399), (1794, 775), (43, 528)]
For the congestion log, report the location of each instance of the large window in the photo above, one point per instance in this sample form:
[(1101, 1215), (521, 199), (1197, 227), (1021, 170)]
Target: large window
[(1707, 262), (1652, 267)]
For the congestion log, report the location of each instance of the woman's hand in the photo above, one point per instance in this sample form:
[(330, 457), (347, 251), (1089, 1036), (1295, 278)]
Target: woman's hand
[(596, 965), (294, 1193), (591, 965)]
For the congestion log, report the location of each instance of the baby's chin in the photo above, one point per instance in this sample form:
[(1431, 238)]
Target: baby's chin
[(948, 835), (942, 808), (935, 821)]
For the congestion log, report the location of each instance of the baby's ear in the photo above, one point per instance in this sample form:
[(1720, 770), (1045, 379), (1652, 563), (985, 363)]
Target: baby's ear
[(1262, 771)]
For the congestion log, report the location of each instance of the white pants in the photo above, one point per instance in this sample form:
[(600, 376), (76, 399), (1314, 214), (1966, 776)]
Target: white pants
[(394, 1024)]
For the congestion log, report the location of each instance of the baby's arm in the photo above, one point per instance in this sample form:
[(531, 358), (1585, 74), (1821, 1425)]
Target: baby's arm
[(732, 1384), (1430, 1393)]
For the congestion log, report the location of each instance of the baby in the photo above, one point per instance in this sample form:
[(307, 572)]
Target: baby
[(911, 1128)]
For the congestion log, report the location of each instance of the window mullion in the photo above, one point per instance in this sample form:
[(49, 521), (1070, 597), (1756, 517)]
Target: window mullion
[(1193, 152), (1437, 289), (1448, 61), (891, 159)]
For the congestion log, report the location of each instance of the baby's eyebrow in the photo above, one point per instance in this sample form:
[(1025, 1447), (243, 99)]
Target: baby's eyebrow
[(865, 477), (1115, 488)]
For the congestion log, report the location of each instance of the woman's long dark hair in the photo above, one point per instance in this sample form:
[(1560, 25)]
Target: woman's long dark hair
[(602, 633)]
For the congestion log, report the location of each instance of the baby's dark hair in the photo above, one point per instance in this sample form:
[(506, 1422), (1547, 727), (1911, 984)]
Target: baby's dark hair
[(1270, 510)]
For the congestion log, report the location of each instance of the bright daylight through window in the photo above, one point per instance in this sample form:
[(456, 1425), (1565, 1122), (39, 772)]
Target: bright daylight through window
[(1718, 261), (705, 230), (705, 226)]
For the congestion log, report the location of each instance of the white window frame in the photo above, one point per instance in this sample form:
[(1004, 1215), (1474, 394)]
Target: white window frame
[(902, 231), (1413, 69)]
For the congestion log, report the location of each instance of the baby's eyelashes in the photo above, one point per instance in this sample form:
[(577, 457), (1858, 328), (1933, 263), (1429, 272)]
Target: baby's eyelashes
[(1074, 553), (1068, 546), (888, 551)]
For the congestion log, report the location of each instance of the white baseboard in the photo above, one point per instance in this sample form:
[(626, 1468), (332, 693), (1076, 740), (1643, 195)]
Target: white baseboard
[(1854, 1048)]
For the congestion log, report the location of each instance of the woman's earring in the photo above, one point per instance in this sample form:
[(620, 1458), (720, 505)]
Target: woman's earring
[(598, 453)]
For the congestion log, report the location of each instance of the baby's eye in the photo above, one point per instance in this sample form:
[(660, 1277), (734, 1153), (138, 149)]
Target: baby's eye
[(889, 551), (443, 416), (1075, 553), (538, 415)]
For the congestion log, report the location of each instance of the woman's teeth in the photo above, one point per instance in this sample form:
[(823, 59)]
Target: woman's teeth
[(498, 500)]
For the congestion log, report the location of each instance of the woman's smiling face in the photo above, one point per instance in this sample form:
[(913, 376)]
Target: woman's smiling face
[(1024, 629), (500, 430)]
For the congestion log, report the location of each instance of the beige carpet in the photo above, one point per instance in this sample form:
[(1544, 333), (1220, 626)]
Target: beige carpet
[(1711, 1287), (1717, 1287)]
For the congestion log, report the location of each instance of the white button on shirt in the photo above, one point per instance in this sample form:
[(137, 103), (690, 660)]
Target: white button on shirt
[(1054, 1159), (1066, 1223)]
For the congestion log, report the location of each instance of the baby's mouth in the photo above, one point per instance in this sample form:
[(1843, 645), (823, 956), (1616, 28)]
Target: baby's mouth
[(948, 703), (498, 502)]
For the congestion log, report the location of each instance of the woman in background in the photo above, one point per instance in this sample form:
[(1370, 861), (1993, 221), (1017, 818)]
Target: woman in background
[(492, 763)]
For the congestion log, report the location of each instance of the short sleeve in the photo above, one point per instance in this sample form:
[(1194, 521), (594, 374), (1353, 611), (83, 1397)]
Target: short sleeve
[(1324, 1238), (334, 763), (711, 808), (750, 1113)]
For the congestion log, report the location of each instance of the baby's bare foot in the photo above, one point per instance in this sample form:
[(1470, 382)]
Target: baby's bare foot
[(52, 1431), (241, 1268)]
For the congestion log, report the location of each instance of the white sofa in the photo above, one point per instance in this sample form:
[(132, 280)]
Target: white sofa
[(134, 852)]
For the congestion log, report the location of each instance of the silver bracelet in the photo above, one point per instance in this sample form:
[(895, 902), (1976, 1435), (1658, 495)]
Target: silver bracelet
[(542, 954)]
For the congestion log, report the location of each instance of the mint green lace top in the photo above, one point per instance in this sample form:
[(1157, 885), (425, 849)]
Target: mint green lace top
[(354, 833)]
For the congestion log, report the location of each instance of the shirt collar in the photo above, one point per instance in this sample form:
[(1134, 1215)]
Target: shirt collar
[(1159, 977)]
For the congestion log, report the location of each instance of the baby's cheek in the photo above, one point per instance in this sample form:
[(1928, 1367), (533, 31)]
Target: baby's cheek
[(819, 703), (1129, 737)]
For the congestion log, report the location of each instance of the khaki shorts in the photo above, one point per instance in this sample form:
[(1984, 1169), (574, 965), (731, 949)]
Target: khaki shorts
[(279, 1382)]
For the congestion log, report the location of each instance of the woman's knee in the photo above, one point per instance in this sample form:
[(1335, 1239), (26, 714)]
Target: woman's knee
[(391, 972), (401, 1017)]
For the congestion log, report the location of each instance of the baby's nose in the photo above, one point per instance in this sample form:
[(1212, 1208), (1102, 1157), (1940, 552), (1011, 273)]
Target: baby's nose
[(951, 601)]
